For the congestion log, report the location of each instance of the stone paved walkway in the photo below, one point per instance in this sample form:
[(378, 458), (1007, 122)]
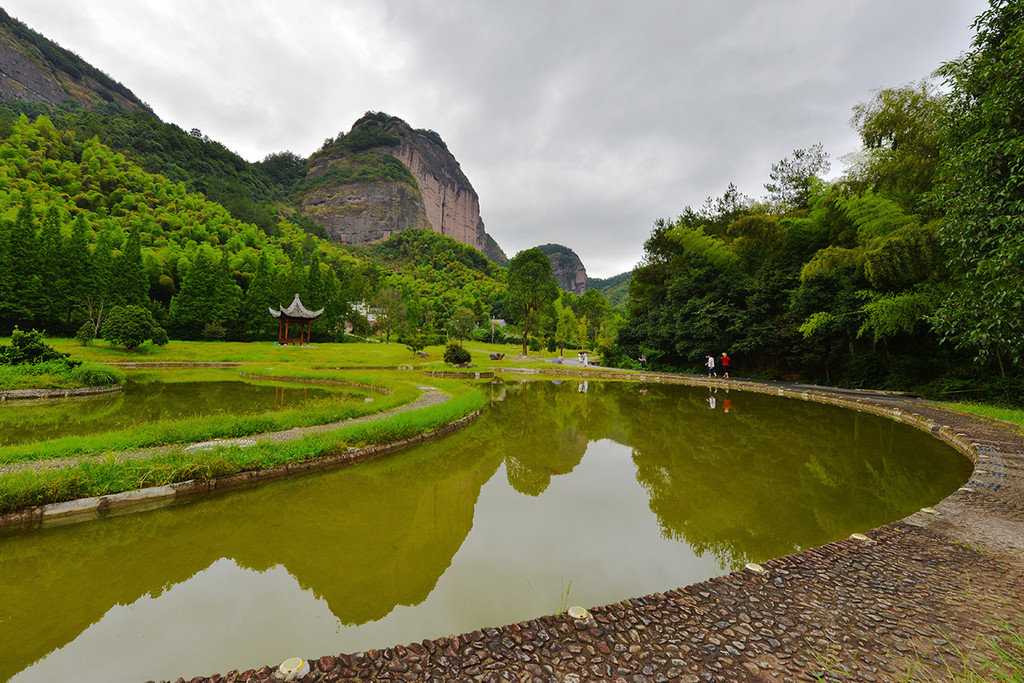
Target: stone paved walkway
[(915, 601)]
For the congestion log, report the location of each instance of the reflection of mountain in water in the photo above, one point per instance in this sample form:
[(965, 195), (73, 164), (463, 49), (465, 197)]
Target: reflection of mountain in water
[(766, 478), (364, 539)]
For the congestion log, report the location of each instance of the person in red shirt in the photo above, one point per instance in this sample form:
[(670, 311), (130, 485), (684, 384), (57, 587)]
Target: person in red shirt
[(725, 366)]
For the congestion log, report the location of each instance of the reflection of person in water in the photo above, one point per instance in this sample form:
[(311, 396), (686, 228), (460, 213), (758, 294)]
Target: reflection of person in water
[(726, 403), (711, 398), (583, 387)]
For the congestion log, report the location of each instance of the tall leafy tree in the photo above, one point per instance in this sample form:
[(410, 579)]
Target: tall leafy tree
[(259, 297), (130, 285), (532, 290), (21, 286), (792, 178), (982, 188)]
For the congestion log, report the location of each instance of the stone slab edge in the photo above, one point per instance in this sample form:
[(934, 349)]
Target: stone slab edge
[(28, 394)]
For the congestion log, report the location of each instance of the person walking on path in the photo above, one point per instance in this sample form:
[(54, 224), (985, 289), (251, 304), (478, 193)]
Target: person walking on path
[(711, 367), (643, 362), (725, 365)]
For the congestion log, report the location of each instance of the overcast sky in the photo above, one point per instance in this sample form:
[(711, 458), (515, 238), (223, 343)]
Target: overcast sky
[(578, 122)]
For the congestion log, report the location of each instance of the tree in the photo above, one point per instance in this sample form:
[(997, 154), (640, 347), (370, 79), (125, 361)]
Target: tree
[(462, 322), (259, 298), (901, 129), (130, 283), (129, 326), (981, 188), (390, 309), (565, 329), (20, 284), (532, 289), (792, 178)]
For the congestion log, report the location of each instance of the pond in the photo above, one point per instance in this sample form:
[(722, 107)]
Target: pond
[(149, 397), (560, 494)]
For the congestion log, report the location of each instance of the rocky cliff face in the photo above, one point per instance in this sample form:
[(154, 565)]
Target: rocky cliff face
[(436, 195), (35, 69), (567, 267)]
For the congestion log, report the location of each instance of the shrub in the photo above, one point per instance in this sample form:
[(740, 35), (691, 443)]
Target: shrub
[(28, 348), (86, 333), (213, 332), (128, 326), (455, 354), (96, 375), (160, 337)]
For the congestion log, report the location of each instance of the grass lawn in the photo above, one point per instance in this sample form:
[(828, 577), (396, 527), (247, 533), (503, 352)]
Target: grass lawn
[(1014, 415), (100, 472)]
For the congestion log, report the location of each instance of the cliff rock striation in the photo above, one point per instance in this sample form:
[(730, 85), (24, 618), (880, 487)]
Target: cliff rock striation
[(383, 177), (567, 267)]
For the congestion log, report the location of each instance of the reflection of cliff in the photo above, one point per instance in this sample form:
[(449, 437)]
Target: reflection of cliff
[(364, 539)]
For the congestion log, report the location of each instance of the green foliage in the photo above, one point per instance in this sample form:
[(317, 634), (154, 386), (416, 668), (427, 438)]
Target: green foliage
[(129, 326), (456, 354), (462, 322), (95, 375), (792, 178), (86, 333), (160, 337), (28, 348), (213, 332), (901, 129), (531, 290), (981, 189)]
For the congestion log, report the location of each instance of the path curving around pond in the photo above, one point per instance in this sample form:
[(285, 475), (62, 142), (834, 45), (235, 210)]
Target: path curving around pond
[(86, 509), (916, 599)]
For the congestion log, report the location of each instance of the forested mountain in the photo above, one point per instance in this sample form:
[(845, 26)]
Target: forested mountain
[(906, 272), (615, 288)]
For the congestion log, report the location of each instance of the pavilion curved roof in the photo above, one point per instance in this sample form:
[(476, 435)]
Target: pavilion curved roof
[(296, 310)]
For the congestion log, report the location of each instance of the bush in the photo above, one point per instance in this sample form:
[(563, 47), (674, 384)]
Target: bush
[(28, 348), (96, 375), (86, 333), (128, 326), (455, 354), (160, 337), (213, 332)]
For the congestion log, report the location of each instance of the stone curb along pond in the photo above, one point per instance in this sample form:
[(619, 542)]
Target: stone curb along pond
[(913, 594)]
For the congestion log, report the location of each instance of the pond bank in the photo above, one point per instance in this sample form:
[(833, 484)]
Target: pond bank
[(912, 599)]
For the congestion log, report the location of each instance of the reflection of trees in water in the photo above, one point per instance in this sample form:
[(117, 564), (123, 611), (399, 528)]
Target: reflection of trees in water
[(364, 539), (763, 480), (774, 476), (545, 430)]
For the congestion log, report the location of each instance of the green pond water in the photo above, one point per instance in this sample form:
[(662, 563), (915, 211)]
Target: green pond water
[(560, 494), (148, 398)]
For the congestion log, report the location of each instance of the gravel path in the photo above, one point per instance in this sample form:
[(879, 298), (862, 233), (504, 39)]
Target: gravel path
[(431, 396)]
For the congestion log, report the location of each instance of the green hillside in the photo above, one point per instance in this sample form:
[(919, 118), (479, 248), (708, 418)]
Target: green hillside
[(615, 288)]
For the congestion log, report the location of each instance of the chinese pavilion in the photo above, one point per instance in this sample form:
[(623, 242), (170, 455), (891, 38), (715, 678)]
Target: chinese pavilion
[(295, 317)]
